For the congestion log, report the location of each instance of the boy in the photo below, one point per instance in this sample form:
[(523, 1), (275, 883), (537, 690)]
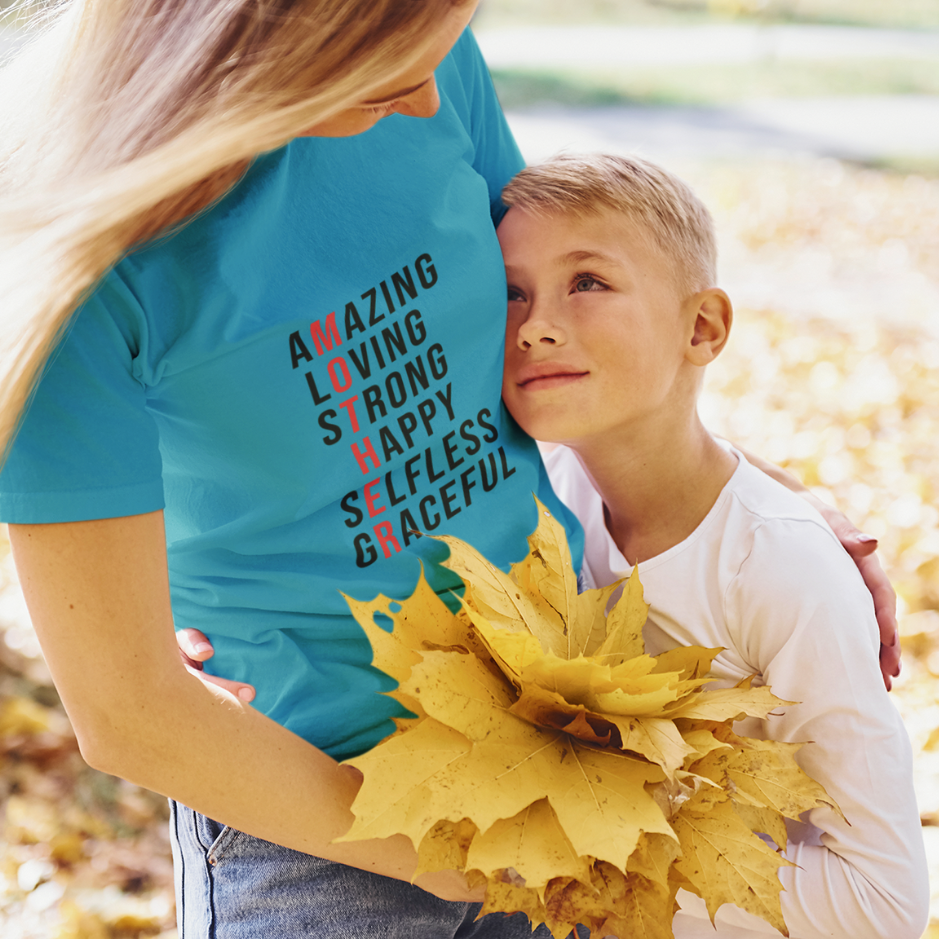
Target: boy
[(613, 316)]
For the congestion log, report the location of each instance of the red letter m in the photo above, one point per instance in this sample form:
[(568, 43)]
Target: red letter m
[(322, 340)]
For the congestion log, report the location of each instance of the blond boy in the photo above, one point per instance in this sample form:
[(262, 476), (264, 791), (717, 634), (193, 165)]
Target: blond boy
[(613, 317)]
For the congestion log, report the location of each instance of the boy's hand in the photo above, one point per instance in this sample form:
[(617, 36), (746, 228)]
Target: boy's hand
[(194, 649)]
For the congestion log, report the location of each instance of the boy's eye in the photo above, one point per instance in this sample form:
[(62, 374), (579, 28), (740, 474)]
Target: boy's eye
[(586, 282), (514, 294)]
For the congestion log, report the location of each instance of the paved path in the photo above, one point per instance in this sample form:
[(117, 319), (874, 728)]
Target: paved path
[(612, 46), (856, 128), (853, 128)]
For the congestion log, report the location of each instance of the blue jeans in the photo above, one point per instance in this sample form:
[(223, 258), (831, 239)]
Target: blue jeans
[(230, 885)]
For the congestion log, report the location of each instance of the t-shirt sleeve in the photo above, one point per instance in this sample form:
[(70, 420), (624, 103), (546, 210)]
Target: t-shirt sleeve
[(87, 447), (497, 158), (806, 621)]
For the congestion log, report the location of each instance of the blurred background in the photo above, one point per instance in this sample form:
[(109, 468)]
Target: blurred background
[(811, 129)]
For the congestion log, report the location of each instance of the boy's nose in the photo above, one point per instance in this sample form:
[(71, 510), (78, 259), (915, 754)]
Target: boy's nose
[(538, 329), (424, 102)]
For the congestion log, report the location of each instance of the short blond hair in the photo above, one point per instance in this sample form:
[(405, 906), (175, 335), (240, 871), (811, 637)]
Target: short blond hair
[(583, 185)]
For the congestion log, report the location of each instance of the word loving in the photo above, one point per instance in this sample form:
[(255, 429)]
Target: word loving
[(376, 395)]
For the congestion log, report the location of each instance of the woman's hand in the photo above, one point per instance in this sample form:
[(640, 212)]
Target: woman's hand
[(194, 649), (861, 547)]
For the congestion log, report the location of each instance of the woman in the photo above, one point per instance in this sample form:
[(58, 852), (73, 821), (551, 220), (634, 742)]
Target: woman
[(303, 375)]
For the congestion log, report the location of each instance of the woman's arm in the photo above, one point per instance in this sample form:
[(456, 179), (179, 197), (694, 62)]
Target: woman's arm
[(861, 547), (98, 594)]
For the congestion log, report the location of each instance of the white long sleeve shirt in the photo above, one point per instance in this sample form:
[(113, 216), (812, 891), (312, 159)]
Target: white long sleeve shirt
[(765, 578)]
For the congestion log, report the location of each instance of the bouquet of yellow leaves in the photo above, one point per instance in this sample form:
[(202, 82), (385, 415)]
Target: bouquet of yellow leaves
[(582, 780)]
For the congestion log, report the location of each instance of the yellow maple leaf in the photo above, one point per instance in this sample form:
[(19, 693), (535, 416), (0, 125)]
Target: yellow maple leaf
[(653, 858), (640, 908), (445, 846), (549, 757), (760, 819), (725, 861), (764, 774), (503, 894), (624, 625), (533, 844)]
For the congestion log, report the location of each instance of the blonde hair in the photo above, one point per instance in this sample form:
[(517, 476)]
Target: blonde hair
[(675, 219), (125, 117)]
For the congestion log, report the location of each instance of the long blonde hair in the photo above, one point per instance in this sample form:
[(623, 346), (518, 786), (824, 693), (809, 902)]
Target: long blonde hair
[(124, 117)]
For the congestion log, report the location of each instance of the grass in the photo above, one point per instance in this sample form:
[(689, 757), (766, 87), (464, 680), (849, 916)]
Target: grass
[(909, 14), (716, 84)]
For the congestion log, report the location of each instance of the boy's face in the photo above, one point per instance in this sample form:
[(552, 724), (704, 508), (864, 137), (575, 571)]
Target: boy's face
[(596, 334)]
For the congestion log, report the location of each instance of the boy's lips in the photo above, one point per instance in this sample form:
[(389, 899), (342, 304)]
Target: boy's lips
[(547, 375)]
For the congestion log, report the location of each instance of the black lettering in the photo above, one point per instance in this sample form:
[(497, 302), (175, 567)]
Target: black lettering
[(488, 426), (317, 397), (377, 349), (413, 323), (506, 471), (394, 340), (411, 473), (397, 393), (365, 552), (449, 447), (354, 322), (408, 527), (444, 398), (335, 434), (389, 444), (417, 375), (355, 513), (467, 485), (298, 350), (373, 402), (407, 423), (371, 296), (429, 460), (438, 361), (363, 368), (487, 485), (426, 272), (407, 282), (384, 290), (428, 524), (428, 409), (474, 446), (448, 498), (393, 497)]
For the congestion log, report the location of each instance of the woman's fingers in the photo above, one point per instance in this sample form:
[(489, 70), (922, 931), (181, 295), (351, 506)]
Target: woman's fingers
[(239, 689), (194, 649), (861, 547), (885, 609)]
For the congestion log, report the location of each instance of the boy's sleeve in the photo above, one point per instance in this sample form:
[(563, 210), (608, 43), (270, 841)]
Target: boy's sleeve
[(497, 157), (806, 620), (87, 447)]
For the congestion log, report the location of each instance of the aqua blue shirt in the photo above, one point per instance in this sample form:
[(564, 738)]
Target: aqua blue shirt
[(304, 377)]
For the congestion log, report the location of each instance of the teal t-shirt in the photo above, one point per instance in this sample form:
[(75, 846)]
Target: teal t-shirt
[(305, 376)]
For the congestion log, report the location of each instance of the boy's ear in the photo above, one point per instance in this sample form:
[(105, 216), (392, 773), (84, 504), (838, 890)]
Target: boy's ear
[(712, 315)]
